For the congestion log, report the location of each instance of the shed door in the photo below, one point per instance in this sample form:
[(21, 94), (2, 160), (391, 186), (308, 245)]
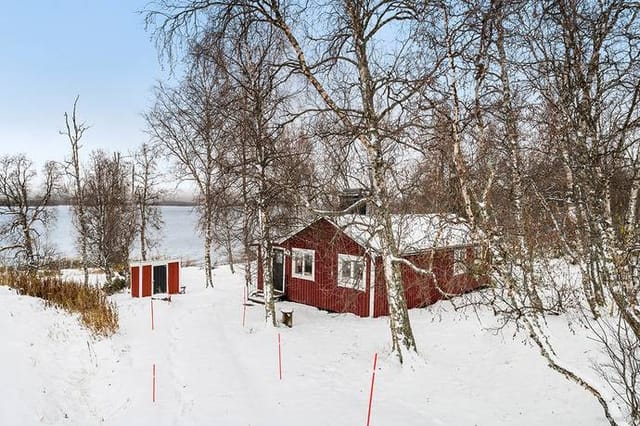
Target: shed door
[(278, 270), (135, 281), (174, 277), (160, 279), (146, 280)]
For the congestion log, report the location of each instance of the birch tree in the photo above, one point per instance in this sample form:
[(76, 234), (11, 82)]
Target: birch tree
[(187, 124), (266, 161), (146, 196), (359, 75), (74, 131), (587, 70), (109, 212), (578, 63), (24, 215)]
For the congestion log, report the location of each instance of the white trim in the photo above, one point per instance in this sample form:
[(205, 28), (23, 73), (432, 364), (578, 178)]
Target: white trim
[(372, 286), (362, 282), (459, 261), (304, 252), (155, 262)]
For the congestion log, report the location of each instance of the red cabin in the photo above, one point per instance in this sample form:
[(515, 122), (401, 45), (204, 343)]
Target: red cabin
[(335, 263), (155, 277)]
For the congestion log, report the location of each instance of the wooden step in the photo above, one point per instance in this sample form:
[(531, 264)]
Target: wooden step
[(258, 296)]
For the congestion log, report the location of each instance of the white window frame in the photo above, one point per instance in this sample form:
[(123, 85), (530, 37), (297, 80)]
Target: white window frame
[(298, 252), (362, 284), (459, 261), (479, 255)]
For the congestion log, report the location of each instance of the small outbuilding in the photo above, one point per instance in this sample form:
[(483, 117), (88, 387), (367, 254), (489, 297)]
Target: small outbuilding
[(335, 263), (155, 277)]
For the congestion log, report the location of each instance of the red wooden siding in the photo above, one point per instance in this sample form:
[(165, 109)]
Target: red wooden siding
[(146, 280), (135, 281), (420, 289), (380, 306), (323, 292), (173, 278)]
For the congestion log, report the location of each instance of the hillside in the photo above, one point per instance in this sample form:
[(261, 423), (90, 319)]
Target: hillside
[(213, 371)]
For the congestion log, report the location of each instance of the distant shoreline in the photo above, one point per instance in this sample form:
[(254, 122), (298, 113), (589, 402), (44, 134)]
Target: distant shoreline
[(159, 203)]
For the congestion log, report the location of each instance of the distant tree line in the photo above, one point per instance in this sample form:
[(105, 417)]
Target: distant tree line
[(63, 199), (114, 200)]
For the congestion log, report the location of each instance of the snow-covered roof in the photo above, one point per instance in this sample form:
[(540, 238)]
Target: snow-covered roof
[(413, 232)]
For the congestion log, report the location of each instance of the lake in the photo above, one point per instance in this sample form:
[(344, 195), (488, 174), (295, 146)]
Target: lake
[(178, 237)]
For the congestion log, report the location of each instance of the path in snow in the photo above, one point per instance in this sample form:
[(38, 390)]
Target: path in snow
[(212, 371)]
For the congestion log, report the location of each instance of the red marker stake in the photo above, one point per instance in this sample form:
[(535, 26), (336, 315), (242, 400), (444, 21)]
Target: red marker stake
[(373, 379), (279, 357), (152, 327), (153, 385)]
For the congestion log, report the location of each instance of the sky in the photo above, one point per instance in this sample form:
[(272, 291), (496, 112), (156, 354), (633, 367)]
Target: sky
[(53, 50)]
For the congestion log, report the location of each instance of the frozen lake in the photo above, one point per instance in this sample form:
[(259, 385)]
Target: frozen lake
[(178, 237)]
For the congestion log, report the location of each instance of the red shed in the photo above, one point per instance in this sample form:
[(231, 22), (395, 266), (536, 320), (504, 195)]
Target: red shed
[(335, 263), (155, 276)]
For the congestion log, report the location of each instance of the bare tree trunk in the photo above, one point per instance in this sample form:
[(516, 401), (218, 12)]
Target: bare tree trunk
[(229, 247), (458, 159), (401, 333), (145, 194), (267, 267), (143, 234), (630, 224), (74, 132), (246, 217), (208, 242), (511, 121)]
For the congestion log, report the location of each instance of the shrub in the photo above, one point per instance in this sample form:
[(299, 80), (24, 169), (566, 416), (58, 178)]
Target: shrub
[(117, 284), (97, 313)]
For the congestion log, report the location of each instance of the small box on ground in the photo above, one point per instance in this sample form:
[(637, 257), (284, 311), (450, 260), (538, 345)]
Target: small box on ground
[(287, 317)]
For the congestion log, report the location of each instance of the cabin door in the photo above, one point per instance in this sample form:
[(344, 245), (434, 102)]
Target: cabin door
[(160, 279), (278, 270)]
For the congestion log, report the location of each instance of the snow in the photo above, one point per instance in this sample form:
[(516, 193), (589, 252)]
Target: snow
[(414, 232), (212, 370)]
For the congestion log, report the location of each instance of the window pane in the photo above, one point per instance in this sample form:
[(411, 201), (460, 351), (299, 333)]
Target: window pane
[(345, 270), (308, 264), (358, 268), (298, 264)]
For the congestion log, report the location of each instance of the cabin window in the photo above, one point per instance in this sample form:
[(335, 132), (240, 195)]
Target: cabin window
[(351, 272), (479, 255), (303, 263), (459, 261)]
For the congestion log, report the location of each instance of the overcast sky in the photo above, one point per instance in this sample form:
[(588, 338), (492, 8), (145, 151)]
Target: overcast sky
[(51, 51)]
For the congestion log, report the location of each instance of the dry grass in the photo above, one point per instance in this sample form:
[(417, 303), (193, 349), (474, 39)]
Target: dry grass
[(96, 312)]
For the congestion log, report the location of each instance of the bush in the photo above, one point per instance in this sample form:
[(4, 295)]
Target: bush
[(97, 313), (116, 285)]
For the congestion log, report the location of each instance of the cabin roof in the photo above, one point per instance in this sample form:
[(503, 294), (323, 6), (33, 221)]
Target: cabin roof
[(414, 232)]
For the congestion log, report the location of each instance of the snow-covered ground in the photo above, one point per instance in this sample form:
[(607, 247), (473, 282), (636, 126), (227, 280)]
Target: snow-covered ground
[(213, 371)]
